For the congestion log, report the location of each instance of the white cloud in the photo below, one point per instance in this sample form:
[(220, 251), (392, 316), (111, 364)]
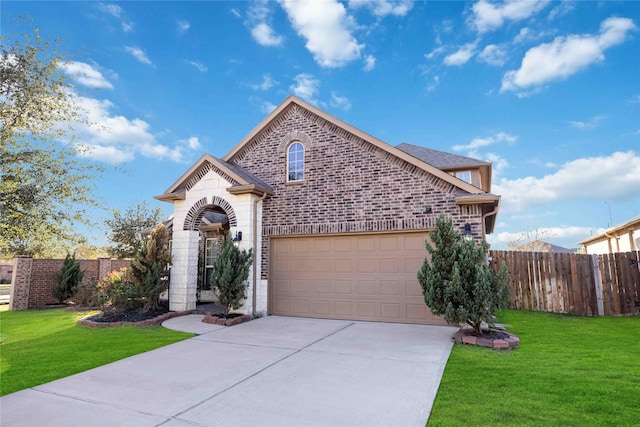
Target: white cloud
[(498, 163), (340, 101), (267, 107), (138, 54), (116, 139), (110, 9), (199, 65), (183, 26), (382, 8), (236, 13), (436, 51), (461, 56), (484, 142), (265, 36), (614, 177), (565, 56), (435, 82), (116, 11), (86, 75), (266, 83), (487, 16), (258, 20), (369, 63), (590, 124), (493, 54), (306, 87), (562, 9), (327, 28)]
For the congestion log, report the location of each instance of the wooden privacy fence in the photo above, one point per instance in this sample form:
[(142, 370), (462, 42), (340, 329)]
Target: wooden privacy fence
[(588, 285)]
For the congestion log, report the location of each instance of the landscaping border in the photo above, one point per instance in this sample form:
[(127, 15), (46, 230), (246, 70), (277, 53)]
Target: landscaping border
[(87, 321), (511, 342)]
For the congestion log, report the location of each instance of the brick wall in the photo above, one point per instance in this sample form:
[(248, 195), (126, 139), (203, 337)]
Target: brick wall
[(349, 186), (34, 279)]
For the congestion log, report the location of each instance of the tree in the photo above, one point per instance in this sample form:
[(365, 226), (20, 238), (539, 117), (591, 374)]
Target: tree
[(45, 186), (531, 240), (230, 271), (69, 279), (458, 283), (147, 267), (126, 228)]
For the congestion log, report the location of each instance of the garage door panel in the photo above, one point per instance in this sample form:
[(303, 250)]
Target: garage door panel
[(370, 277)]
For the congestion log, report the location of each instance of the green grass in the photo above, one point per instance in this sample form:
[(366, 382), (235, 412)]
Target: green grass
[(45, 345), (568, 371)]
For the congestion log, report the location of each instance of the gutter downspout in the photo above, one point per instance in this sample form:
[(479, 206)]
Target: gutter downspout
[(493, 212), (255, 251)]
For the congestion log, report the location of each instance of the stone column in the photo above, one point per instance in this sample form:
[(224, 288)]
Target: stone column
[(184, 270), (20, 283)]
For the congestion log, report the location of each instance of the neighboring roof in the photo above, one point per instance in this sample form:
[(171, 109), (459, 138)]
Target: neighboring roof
[(542, 246), (355, 131), (242, 180), (440, 159), (635, 221)]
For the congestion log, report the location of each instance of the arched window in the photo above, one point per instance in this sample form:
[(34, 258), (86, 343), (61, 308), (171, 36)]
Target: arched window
[(295, 162)]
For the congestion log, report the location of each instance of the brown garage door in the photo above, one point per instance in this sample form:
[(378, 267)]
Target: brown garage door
[(360, 277)]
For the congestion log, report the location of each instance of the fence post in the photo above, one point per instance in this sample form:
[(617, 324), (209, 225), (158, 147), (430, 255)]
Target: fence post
[(598, 282), (21, 283)]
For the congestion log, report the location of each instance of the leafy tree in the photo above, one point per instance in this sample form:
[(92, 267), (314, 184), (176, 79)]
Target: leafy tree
[(45, 186), (69, 279), (126, 228), (458, 283), (230, 271), (148, 266)]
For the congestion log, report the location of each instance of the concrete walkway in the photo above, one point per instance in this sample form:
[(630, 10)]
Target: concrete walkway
[(272, 371)]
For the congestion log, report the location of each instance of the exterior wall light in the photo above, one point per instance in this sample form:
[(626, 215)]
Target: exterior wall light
[(238, 237), (466, 234)]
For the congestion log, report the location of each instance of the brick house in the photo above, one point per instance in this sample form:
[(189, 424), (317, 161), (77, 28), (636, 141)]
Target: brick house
[(337, 218)]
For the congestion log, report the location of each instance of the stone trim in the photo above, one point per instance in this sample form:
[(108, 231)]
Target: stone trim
[(206, 168), (296, 135), (350, 227), (194, 216)]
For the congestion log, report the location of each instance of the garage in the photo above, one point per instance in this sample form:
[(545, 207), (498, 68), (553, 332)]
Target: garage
[(370, 277)]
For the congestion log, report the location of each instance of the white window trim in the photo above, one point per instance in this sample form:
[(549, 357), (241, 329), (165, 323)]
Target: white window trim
[(304, 152)]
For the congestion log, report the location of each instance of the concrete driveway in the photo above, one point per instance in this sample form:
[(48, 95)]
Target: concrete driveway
[(273, 371)]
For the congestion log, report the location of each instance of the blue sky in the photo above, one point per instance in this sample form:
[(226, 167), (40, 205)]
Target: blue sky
[(548, 91)]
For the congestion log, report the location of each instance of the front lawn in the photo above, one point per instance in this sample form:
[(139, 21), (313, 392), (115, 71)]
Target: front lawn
[(568, 371), (39, 346)]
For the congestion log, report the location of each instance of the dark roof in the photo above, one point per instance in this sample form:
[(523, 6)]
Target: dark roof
[(251, 178), (439, 159)]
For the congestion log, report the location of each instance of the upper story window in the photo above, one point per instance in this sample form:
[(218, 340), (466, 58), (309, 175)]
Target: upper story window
[(295, 162), (463, 175)]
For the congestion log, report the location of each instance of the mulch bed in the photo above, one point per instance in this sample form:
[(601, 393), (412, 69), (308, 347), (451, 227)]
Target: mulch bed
[(492, 338), (130, 319)]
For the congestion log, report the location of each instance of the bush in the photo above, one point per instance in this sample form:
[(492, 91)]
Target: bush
[(230, 271), (458, 283), (69, 279), (117, 294), (147, 268), (87, 294)]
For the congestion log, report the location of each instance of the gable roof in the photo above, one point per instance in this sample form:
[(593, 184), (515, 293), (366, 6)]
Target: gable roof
[(290, 100), (450, 162), (242, 181), (440, 159)]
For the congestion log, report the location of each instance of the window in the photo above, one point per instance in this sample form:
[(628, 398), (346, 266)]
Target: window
[(463, 175), (210, 254), (295, 162)]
